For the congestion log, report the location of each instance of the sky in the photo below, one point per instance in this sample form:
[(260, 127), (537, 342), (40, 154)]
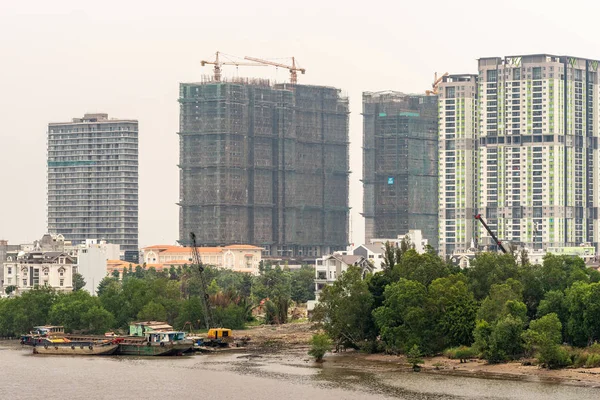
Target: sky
[(60, 59)]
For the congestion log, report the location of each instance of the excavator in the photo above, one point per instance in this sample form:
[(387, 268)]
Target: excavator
[(217, 336)]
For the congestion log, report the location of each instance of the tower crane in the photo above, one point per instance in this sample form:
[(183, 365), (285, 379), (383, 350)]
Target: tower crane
[(293, 68), (435, 85), (218, 63), (208, 318)]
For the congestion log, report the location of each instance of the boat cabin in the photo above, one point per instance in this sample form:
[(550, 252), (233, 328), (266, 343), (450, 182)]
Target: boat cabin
[(165, 336), (48, 330), (143, 327)]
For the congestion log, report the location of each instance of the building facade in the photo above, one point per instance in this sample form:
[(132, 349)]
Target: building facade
[(458, 171), (264, 165), (400, 165), (28, 270), (538, 152), (330, 267), (91, 262), (93, 180)]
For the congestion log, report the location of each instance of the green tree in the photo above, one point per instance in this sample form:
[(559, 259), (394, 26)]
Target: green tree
[(545, 335), (303, 284), (402, 320), (320, 344), (97, 320), (499, 341), (152, 311), (78, 282), (490, 269), (423, 268), (70, 309), (453, 310), (414, 358), (344, 311), (494, 305)]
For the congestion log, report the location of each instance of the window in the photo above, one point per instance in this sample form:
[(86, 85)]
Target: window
[(24, 282), (517, 74), (537, 73), (62, 282), (9, 270)]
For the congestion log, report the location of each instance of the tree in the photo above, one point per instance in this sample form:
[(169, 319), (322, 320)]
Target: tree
[(545, 335), (423, 268), (344, 311), (303, 284), (319, 345), (98, 320), (402, 320), (453, 310), (153, 312), (494, 305), (70, 309), (501, 340), (414, 358), (78, 282), (391, 256), (488, 269)]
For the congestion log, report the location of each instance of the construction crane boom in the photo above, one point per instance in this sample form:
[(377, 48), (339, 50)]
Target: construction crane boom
[(218, 63), (208, 318), (293, 68), (487, 228)]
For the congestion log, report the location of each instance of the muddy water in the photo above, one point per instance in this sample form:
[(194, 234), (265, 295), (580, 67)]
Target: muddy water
[(241, 376)]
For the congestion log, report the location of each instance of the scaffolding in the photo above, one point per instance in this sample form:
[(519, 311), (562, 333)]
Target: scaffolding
[(265, 165), (400, 158)]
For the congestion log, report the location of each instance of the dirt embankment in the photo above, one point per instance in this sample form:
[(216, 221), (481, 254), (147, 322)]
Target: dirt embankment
[(293, 339), (294, 336)]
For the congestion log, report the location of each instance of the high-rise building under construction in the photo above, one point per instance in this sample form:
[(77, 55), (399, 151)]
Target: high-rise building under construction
[(400, 165), (265, 165)]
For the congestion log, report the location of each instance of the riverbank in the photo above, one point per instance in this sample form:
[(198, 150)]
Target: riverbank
[(289, 343)]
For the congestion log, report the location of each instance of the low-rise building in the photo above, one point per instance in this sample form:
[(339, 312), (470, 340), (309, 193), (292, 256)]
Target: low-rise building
[(236, 257), (372, 252), (38, 268), (330, 267)]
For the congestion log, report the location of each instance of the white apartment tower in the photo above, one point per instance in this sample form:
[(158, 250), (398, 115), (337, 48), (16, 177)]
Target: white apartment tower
[(93, 180), (538, 149), (458, 186)]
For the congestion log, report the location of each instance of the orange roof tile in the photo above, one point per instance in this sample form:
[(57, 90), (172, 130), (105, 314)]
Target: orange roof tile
[(243, 246)]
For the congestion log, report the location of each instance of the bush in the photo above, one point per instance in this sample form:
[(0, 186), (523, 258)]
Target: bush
[(461, 353), (593, 361), (320, 344)]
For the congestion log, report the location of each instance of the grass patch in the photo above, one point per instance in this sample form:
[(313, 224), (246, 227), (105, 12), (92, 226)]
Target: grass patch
[(461, 353)]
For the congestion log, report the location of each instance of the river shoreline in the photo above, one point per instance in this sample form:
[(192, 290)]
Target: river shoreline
[(290, 343)]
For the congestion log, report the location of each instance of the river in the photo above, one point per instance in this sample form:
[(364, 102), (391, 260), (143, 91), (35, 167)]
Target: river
[(240, 376)]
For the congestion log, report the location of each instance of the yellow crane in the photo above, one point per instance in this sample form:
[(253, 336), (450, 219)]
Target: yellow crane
[(293, 68), (218, 63), (435, 85)]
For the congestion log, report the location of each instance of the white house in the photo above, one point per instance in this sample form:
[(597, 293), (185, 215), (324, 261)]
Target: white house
[(328, 268), (372, 252), (39, 268)]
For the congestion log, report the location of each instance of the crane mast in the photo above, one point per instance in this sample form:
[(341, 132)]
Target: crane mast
[(487, 228), (208, 318)]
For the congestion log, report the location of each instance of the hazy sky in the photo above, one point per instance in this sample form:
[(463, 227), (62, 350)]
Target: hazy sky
[(60, 59)]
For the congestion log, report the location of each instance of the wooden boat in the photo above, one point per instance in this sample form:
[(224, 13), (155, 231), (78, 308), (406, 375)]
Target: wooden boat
[(168, 343), (76, 348)]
